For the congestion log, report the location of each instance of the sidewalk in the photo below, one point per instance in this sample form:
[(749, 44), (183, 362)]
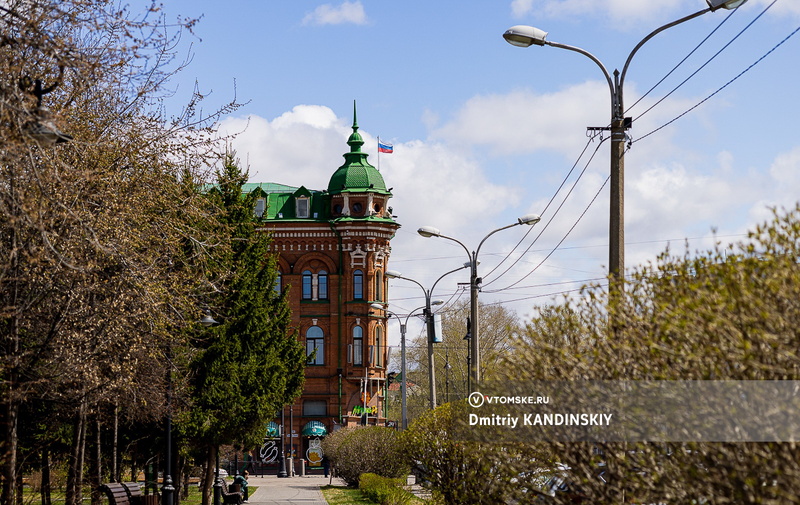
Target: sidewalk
[(289, 491)]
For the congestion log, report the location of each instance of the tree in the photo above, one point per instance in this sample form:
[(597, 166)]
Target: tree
[(250, 365), (499, 325), (92, 220), (730, 313)]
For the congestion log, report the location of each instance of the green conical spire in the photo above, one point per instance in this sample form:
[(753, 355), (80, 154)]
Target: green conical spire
[(356, 175)]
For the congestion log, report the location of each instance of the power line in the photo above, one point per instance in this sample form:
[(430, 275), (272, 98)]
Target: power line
[(723, 86), (560, 187), (552, 218), (678, 65), (561, 241), (750, 24)]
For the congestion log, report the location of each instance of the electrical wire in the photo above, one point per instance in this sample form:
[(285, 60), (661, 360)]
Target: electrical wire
[(680, 63), (720, 88), (560, 242), (750, 24), (560, 187), (552, 218)]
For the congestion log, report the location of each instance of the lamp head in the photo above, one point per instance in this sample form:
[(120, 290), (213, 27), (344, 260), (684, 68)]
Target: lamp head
[(437, 302), (207, 320), (525, 36), (429, 231), (529, 219), (724, 4), (393, 274), (377, 306)]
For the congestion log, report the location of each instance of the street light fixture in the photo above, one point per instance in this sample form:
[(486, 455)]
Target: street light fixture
[(526, 36), (474, 284), (403, 383), (392, 274)]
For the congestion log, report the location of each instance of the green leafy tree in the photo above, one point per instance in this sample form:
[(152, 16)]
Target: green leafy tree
[(499, 326), (251, 364), (730, 313)]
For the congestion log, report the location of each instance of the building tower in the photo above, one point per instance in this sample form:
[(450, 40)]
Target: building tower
[(333, 248)]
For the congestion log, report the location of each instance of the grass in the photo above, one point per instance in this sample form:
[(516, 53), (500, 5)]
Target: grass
[(337, 495), (57, 496)]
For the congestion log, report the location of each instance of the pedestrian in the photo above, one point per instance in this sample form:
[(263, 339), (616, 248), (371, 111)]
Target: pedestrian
[(242, 481), (326, 465)]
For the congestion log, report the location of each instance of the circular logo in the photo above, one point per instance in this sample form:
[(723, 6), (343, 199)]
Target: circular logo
[(476, 400)]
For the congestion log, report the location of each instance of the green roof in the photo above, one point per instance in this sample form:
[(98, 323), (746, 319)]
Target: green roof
[(267, 187)]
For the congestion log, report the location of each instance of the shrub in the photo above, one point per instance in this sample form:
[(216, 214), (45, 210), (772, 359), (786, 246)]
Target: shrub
[(371, 449), (384, 490), (466, 471)]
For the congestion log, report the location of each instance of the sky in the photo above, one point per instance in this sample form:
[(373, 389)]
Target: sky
[(485, 132)]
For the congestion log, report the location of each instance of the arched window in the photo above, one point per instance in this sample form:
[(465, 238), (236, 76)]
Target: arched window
[(358, 285), (315, 346), (278, 287), (322, 285), (307, 285), (378, 347), (379, 285), (358, 346)]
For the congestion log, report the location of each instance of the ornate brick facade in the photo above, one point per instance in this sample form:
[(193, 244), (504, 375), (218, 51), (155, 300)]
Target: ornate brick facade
[(333, 248)]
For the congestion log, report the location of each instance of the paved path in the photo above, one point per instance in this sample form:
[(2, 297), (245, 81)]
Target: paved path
[(289, 491)]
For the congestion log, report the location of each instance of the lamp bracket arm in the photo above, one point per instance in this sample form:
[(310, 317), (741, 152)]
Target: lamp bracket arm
[(653, 34)]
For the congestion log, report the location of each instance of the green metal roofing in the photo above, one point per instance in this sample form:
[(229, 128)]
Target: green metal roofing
[(356, 175), (267, 187)]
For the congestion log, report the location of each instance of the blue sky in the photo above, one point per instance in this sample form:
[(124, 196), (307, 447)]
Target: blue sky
[(484, 132)]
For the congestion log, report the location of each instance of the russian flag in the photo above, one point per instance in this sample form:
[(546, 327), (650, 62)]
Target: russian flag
[(385, 148)]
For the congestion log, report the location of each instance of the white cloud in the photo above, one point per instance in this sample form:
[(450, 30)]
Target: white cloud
[(627, 14), (301, 147), (328, 14), (623, 12), (523, 121)]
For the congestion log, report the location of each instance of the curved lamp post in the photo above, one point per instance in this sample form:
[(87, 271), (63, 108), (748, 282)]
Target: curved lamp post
[(403, 384), (525, 36), (474, 285), (392, 274)]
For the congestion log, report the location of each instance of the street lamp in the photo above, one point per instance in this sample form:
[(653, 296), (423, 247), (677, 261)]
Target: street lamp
[(391, 274), (526, 36), (403, 383), (474, 285), (208, 321)]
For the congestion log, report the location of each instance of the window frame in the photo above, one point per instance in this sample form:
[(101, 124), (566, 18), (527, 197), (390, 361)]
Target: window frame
[(316, 343)]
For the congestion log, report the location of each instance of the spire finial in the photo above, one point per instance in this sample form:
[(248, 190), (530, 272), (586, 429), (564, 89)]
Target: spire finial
[(355, 141)]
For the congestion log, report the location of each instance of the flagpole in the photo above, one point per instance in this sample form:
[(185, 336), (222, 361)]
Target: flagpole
[(379, 154)]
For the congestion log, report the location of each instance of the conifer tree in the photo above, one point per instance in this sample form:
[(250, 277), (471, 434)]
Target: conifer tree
[(252, 364)]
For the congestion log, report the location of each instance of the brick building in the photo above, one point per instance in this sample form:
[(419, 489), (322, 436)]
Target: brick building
[(333, 248)]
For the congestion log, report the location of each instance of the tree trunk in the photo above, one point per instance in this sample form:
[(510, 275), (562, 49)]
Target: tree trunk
[(75, 473), (116, 473), (10, 447), (46, 499), (95, 463), (208, 477)]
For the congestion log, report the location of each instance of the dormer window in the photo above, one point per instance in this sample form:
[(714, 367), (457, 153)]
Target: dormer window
[(301, 210), (261, 206)]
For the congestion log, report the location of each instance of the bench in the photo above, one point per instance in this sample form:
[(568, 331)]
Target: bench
[(230, 495), (116, 493)]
